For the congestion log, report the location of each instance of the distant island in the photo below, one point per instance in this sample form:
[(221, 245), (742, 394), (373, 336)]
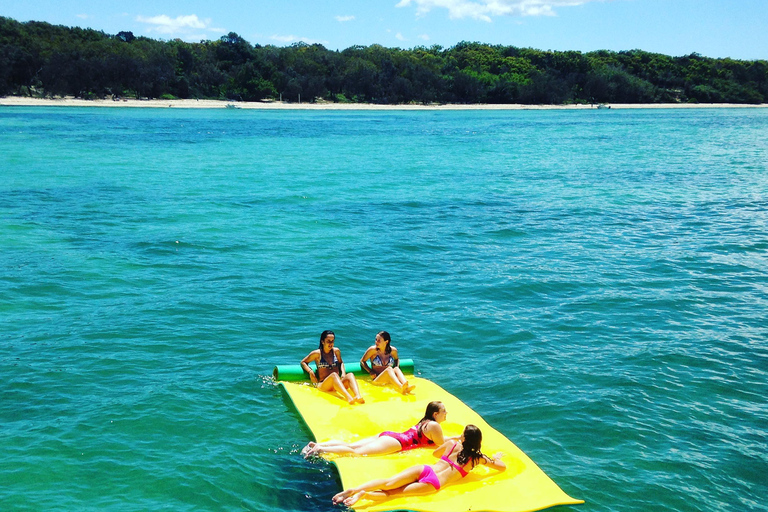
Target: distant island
[(41, 60)]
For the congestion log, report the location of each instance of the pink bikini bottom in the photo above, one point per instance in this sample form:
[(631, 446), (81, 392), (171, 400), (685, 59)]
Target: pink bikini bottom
[(428, 476)]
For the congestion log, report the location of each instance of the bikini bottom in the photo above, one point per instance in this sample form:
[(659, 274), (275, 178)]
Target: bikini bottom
[(428, 476)]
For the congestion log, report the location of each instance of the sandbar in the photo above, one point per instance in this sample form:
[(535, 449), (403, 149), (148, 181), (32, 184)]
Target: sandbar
[(277, 105)]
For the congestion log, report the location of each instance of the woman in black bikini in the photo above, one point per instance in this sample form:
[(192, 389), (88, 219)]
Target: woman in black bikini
[(384, 367), (331, 374), (457, 459)]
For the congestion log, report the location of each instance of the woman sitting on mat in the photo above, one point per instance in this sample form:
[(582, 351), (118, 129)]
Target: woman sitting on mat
[(457, 459), (330, 374), (427, 432), (384, 367)]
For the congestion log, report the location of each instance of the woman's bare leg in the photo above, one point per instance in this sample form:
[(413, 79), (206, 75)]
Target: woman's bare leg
[(333, 383), (407, 388), (387, 377), (351, 382), (391, 487), (336, 442), (412, 489), (395, 377), (372, 446), (401, 479), (313, 448)]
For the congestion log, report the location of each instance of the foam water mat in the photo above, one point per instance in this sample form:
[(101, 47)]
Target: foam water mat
[(522, 487)]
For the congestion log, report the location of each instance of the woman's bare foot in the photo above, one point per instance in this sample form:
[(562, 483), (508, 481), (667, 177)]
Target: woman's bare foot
[(314, 452), (305, 451), (359, 400), (338, 498), (354, 498)]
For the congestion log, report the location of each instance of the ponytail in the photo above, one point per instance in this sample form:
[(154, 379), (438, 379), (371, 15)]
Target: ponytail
[(470, 447)]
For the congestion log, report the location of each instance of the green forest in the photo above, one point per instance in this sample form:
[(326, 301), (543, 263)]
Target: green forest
[(44, 60)]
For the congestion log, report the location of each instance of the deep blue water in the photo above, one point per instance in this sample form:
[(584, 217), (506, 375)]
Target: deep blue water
[(594, 283)]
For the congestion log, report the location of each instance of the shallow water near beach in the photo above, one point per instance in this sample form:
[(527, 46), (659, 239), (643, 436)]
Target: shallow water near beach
[(593, 283)]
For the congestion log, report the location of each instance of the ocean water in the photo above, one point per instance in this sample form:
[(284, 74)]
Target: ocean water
[(594, 283)]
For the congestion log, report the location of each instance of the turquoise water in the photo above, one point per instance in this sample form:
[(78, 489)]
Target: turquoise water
[(595, 284)]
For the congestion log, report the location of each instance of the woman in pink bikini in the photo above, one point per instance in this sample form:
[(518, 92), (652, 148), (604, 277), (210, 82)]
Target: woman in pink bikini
[(427, 432), (457, 459)]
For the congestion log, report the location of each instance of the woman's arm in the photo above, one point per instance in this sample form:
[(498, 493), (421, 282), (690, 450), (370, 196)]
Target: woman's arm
[(342, 371), (311, 357), (495, 461), (442, 448), (364, 360), (395, 357), (434, 431)]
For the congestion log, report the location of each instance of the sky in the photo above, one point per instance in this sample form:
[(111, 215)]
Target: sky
[(713, 28)]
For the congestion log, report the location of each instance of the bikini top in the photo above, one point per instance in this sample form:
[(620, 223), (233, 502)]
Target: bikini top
[(322, 363), (376, 361), (453, 464)]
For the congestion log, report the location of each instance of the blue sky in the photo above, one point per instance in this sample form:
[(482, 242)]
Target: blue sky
[(714, 28)]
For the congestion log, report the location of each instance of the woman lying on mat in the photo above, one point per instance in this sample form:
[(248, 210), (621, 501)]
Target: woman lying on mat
[(330, 374), (384, 367), (427, 432), (457, 459)]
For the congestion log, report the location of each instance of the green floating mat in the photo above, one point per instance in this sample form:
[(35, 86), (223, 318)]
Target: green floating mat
[(523, 487), (295, 373)]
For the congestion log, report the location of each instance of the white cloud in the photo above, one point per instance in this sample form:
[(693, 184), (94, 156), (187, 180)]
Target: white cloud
[(399, 37), (185, 27), (486, 9), (342, 19), (284, 39), (294, 39), (83, 16), (424, 37)]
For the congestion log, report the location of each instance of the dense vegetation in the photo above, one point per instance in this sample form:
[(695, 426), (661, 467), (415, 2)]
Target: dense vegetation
[(41, 59)]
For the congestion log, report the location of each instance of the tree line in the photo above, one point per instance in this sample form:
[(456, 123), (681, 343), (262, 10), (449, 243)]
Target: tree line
[(40, 59)]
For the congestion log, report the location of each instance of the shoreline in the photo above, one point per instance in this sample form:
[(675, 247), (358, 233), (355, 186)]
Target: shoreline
[(19, 101)]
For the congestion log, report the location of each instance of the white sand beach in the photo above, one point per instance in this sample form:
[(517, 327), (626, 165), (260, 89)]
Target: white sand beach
[(276, 105)]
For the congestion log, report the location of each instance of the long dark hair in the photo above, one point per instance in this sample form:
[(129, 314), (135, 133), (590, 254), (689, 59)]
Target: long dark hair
[(429, 415), (324, 335), (470, 447), (388, 339)]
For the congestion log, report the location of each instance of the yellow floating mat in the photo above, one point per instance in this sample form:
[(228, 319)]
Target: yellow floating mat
[(522, 487)]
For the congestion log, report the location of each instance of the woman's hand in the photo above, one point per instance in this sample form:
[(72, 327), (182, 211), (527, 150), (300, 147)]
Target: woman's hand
[(364, 361), (312, 356), (496, 462)]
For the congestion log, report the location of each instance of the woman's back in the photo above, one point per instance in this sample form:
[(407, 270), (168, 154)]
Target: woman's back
[(447, 468)]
